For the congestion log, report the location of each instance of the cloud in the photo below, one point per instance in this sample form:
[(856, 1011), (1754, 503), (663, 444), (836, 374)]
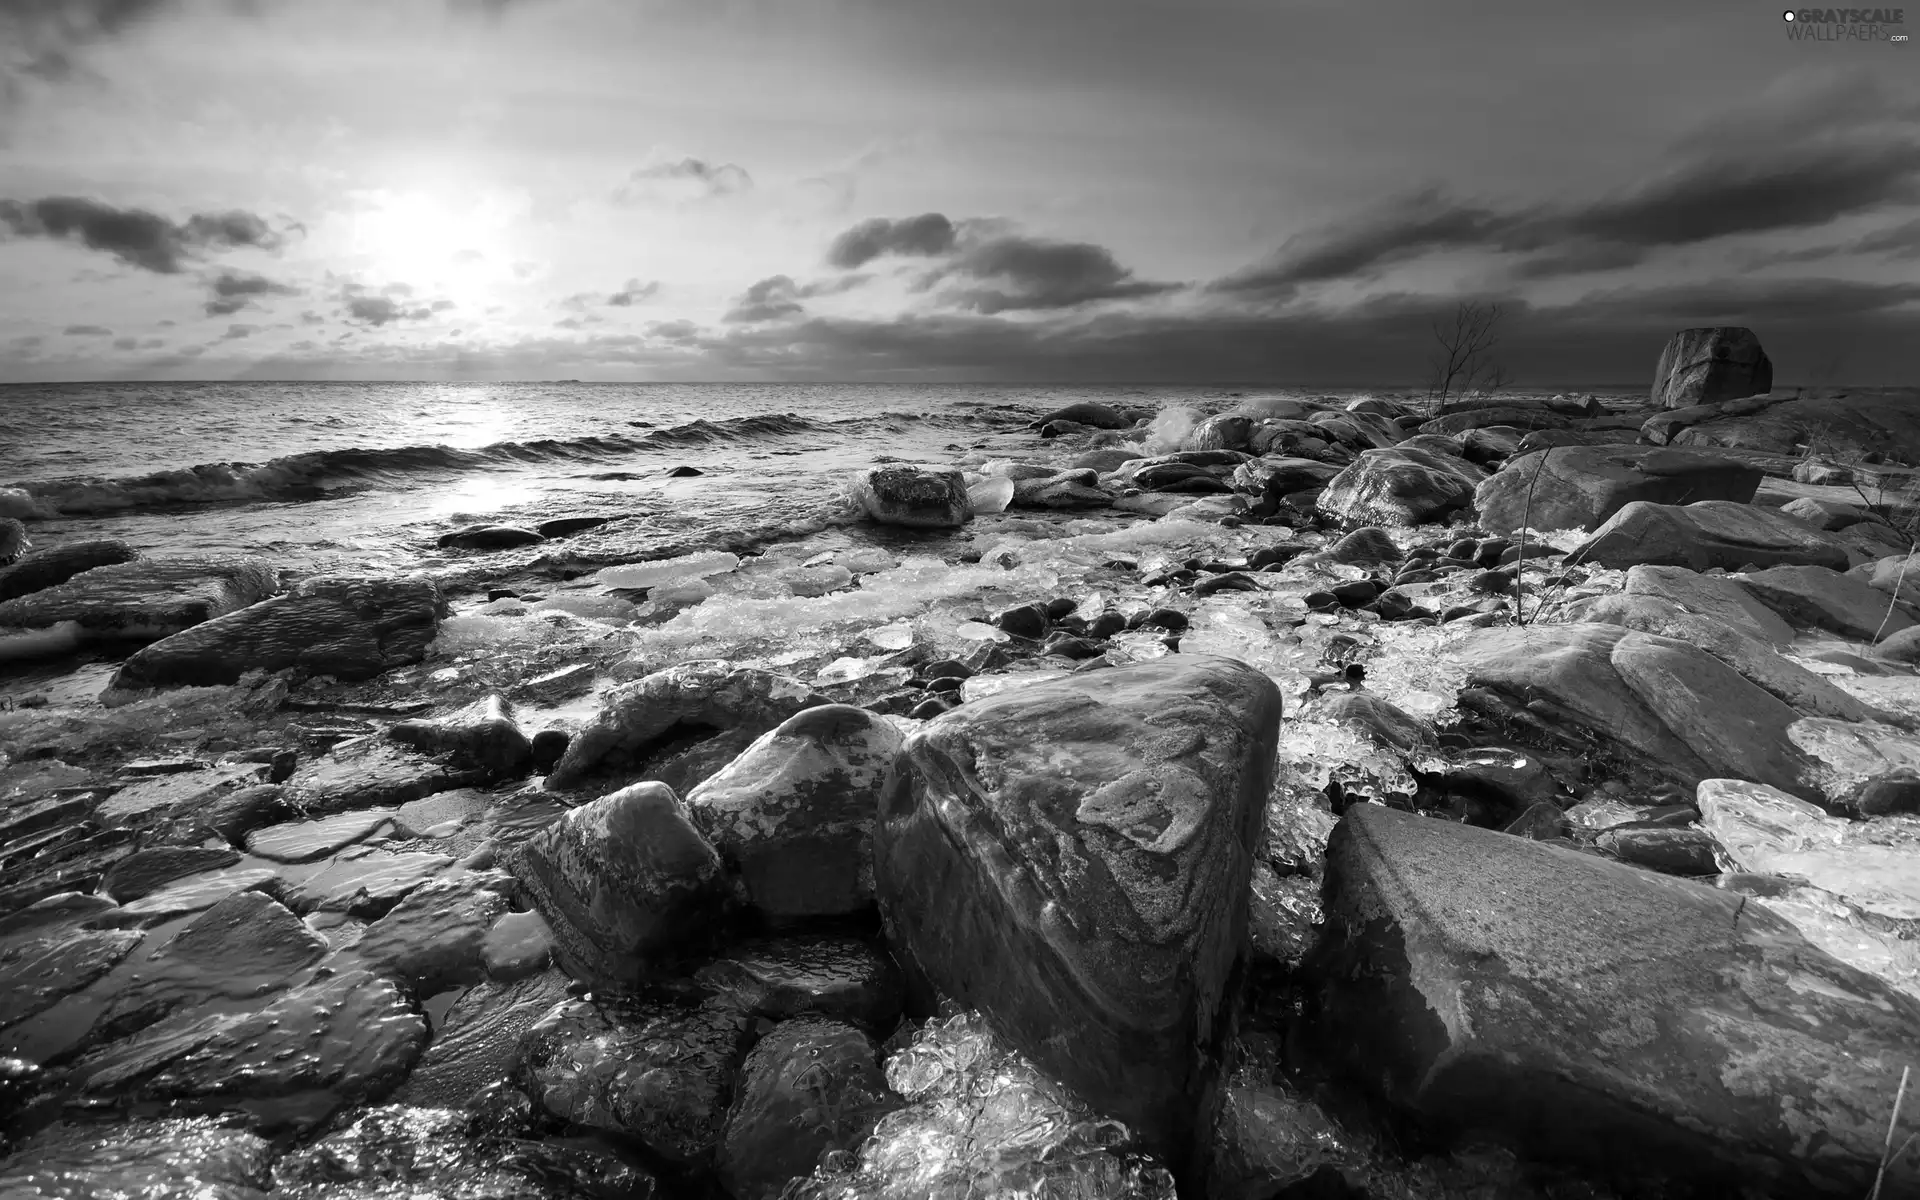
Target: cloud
[(238, 331), (1022, 273), (126, 343), (634, 292), (134, 235), (926, 235), (778, 297), (45, 39), (685, 180), (87, 331), (375, 309), (235, 290)]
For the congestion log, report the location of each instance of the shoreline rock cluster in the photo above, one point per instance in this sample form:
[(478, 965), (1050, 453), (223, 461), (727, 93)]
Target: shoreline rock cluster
[(1311, 799)]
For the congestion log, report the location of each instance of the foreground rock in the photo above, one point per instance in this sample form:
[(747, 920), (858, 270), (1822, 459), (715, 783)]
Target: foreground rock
[(1707, 366), (1654, 1028), (1578, 487), (137, 1157), (1072, 858), (147, 599), (38, 569), (916, 497), (625, 882), (793, 815), (351, 627), (809, 1087), (485, 734), (1399, 487), (1712, 533), (682, 724)]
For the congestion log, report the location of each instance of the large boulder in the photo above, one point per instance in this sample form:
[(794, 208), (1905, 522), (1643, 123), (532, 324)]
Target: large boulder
[(1225, 431), (1649, 1027), (1713, 596), (1711, 533), (626, 883), (1658, 706), (351, 627), (1578, 487), (682, 724), (1818, 598), (38, 569), (1072, 858), (1848, 425), (146, 599), (1706, 366), (1399, 487), (1520, 416), (794, 813), (915, 497)]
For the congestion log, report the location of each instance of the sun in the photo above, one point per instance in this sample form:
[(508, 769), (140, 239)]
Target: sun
[(430, 242)]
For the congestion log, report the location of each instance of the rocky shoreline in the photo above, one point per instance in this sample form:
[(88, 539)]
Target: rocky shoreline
[(1308, 800)]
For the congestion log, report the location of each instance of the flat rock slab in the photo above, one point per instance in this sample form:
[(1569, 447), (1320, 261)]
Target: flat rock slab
[(194, 894), (365, 882), (304, 841), (40, 569), (1642, 1024), (1711, 533), (148, 870), (344, 1038), (1712, 596), (146, 599), (1578, 487), (439, 814), (38, 971), (1817, 598), (435, 937), (149, 799), (370, 772), (350, 627), (479, 1041), (1072, 858)]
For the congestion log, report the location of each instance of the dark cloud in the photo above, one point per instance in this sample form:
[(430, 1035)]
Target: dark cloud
[(126, 343), (87, 331), (235, 290), (238, 331), (1011, 273), (45, 39), (927, 235), (634, 292), (134, 235), (1784, 188), (687, 179), (772, 299), (1900, 241)]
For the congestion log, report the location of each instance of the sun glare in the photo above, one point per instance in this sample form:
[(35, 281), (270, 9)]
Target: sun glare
[(456, 250)]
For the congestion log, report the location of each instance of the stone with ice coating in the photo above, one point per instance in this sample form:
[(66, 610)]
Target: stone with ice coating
[(1490, 985), (794, 813), (1072, 858), (1766, 831), (915, 497), (687, 566), (1399, 487)]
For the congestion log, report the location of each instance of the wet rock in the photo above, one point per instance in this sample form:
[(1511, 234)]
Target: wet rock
[(810, 1087), (1714, 597), (39, 569), (1087, 412), (1399, 487), (435, 938), (1579, 487), (304, 841), (192, 894), (1074, 854), (516, 945), (364, 882), (479, 1041), (440, 813), (1657, 1028), (1895, 792), (1367, 545), (1827, 515), (372, 772), (914, 497), (1711, 533), (484, 734), (1818, 598), (1379, 719), (1672, 851), (1513, 779), (39, 968), (626, 882), (1356, 592), (72, 866), (146, 599), (242, 947), (395, 1151), (348, 626), (547, 748), (1490, 445), (1708, 366), (793, 815), (344, 1038), (825, 975), (659, 1073), (1271, 1143), (135, 1157), (1065, 489), (150, 801), (1026, 620), (151, 869), (559, 527), (682, 724), (1273, 478), (1662, 705)]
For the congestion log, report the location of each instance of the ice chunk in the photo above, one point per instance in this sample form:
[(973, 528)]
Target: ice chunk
[(991, 495), (982, 1121), (680, 593), (974, 631), (647, 574), (1851, 752), (594, 605), (1849, 935), (979, 687), (816, 580), (867, 560), (1323, 752), (505, 606), (895, 636), (1872, 864), (846, 670)]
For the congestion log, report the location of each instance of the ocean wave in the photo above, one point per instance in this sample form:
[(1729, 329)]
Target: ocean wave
[(315, 474)]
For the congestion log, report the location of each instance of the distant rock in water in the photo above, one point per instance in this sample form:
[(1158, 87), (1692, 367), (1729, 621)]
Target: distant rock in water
[(684, 472), (914, 497), (489, 537), (147, 599), (563, 526), (1707, 366), (1087, 413)]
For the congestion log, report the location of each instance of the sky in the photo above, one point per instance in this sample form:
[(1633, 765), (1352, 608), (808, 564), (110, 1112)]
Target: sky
[(1153, 191)]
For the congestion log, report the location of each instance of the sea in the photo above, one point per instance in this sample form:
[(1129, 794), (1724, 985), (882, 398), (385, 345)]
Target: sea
[(330, 476)]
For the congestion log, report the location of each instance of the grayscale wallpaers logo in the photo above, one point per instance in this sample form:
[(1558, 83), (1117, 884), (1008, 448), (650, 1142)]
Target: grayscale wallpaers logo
[(1846, 24)]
